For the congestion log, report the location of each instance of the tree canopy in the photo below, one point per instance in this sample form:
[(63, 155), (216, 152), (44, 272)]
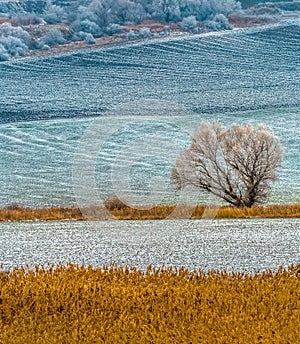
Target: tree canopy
[(235, 164)]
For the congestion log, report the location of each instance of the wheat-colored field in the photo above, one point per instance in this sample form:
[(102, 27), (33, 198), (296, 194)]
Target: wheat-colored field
[(122, 212), (78, 304)]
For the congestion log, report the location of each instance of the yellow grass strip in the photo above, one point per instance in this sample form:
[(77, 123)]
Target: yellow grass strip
[(154, 213), (77, 304), (26, 214)]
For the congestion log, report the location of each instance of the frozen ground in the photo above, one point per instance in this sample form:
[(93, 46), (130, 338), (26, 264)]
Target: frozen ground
[(239, 245)]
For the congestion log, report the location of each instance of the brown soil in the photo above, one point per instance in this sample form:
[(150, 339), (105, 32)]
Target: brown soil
[(243, 22)]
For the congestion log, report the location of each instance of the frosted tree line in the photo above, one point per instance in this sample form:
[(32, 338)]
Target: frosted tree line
[(89, 19)]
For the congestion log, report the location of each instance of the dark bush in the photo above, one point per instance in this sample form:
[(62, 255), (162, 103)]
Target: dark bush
[(114, 202)]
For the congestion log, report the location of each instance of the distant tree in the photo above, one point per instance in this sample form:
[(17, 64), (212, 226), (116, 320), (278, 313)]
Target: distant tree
[(83, 13), (126, 11), (4, 56), (167, 10), (222, 21), (225, 6), (33, 6), (25, 19), (145, 32), (7, 30), (131, 35), (89, 39), (189, 23), (84, 36), (104, 17), (235, 164), (100, 10), (52, 37), (219, 22), (14, 41), (167, 30), (54, 14), (198, 8), (204, 9), (89, 27), (14, 46), (113, 29)]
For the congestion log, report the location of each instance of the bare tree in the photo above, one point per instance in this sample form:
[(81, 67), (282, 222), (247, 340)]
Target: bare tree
[(235, 164)]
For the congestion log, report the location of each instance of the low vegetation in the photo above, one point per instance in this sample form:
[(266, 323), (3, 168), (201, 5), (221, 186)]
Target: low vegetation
[(122, 212), (78, 304)]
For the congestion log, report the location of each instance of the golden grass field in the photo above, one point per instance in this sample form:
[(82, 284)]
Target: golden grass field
[(122, 212), (77, 304)]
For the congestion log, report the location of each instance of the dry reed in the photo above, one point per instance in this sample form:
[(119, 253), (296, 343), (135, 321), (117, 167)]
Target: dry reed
[(77, 304), (156, 212)]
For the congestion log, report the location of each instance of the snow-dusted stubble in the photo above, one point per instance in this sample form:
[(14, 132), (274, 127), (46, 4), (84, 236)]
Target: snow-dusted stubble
[(136, 139)]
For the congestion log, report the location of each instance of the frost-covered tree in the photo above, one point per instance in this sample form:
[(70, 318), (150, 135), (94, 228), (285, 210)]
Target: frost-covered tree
[(126, 11), (235, 164), (7, 30), (54, 14), (167, 10), (224, 6), (99, 17), (198, 8), (107, 12), (131, 35), (89, 39), (84, 36), (4, 55), (218, 22), (189, 23), (84, 13), (101, 9), (145, 32), (113, 29), (52, 37), (13, 45), (14, 41), (88, 27), (24, 19)]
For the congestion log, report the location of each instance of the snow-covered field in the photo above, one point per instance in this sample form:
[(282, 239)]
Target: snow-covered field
[(239, 245), (237, 76)]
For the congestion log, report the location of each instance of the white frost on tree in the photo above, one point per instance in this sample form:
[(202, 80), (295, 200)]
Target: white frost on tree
[(104, 17), (189, 23), (235, 164), (54, 14), (145, 32), (4, 56), (52, 37), (14, 41)]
